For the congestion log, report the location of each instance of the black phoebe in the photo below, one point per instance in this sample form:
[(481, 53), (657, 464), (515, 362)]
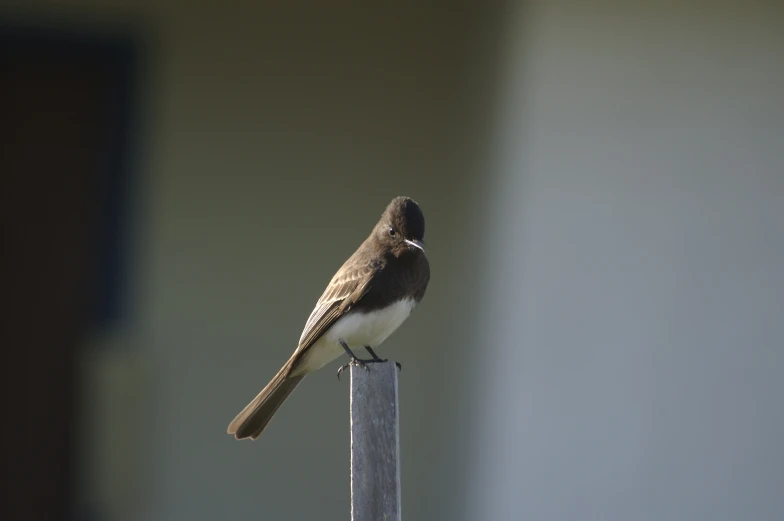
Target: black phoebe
[(367, 299)]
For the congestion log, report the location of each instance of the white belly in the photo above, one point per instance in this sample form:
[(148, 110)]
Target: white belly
[(356, 329)]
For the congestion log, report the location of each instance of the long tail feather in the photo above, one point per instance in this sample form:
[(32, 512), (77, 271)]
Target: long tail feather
[(252, 420)]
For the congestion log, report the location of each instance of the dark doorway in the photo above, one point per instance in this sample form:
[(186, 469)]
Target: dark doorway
[(64, 128)]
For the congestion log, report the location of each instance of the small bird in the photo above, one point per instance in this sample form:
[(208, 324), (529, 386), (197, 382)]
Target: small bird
[(366, 301)]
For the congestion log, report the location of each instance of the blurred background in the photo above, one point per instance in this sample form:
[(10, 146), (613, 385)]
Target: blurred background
[(604, 194)]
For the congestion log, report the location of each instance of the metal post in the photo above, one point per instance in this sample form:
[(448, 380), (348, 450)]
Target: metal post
[(375, 443)]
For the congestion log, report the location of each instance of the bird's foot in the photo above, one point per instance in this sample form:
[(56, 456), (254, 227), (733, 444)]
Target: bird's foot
[(377, 359), (358, 362)]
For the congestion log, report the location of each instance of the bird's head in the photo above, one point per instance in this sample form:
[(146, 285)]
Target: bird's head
[(402, 226)]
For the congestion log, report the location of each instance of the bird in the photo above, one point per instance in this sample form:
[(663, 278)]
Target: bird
[(366, 300)]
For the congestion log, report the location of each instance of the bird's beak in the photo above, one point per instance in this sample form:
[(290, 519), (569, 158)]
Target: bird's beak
[(413, 243)]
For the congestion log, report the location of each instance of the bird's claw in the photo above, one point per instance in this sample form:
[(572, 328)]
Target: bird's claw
[(354, 361), (382, 360)]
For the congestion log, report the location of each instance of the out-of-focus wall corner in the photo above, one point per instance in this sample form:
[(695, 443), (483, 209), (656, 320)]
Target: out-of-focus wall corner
[(116, 384)]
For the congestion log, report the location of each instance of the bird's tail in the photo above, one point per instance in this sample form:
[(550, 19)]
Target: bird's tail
[(252, 420)]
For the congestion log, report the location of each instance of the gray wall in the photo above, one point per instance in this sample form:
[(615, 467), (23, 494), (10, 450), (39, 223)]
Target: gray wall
[(632, 321)]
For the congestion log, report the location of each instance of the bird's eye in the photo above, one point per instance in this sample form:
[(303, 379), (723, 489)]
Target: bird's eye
[(392, 232)]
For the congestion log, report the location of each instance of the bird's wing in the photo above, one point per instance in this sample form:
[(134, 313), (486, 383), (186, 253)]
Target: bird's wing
[(345, 289)]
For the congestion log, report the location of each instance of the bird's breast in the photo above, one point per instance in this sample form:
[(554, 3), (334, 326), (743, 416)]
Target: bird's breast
[(357, 329), (370, 328)]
